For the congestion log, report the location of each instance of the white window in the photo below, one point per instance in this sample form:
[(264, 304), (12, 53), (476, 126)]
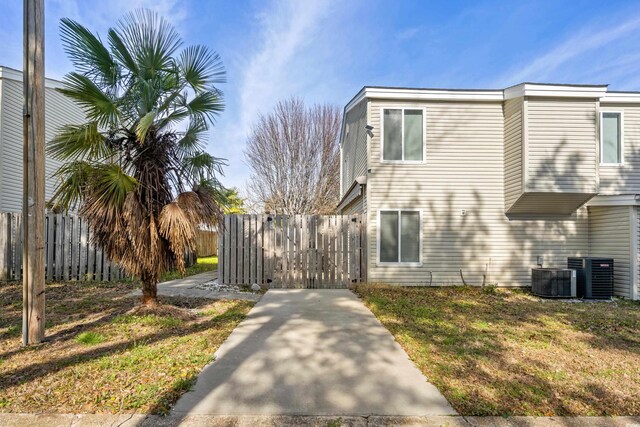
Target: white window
[(611, 142), (399, 236), (403, 135)]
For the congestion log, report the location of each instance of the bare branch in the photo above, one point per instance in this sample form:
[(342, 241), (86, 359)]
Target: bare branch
[(294, 156)]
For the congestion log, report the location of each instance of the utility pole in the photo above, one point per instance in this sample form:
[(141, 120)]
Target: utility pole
[(33, 174)]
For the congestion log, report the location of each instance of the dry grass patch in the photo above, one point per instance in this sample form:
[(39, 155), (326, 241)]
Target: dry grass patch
[(505, 352), (100, 356)]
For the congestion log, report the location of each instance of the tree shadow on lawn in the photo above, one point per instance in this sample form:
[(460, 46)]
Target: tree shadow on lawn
[(496, 353), (67, 321), (292, 355)]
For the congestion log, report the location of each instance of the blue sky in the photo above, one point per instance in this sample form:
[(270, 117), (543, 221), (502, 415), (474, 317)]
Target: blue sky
[(325, 51)]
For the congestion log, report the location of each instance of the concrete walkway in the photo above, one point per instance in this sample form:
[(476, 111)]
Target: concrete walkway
[(142, 420), (312, 352), (188, 287)]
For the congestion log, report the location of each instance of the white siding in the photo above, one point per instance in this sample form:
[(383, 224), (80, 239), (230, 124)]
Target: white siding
[(624, 179), (561, 141), (512, 150), (610, 231), (59, 111), (354, 148), (464, 169)]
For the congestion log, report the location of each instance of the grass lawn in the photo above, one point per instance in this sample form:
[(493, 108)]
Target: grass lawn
[(203, 265), (97, 358), (505, 352)]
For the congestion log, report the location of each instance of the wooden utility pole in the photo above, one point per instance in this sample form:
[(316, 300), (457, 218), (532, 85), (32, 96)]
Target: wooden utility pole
[(33, 174)]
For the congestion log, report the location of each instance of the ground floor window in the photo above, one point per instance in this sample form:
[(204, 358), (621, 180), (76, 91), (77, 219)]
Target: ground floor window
[(399, 236)]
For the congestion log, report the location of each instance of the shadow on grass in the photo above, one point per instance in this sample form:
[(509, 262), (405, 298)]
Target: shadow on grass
[(509, 354), (68, 307)]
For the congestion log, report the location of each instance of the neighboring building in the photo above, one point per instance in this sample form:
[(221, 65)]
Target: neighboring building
[(59, 111), (480, 183)]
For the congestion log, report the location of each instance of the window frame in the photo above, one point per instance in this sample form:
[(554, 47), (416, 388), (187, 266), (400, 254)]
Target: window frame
[(378, 245), (424, 134), (621, 115)]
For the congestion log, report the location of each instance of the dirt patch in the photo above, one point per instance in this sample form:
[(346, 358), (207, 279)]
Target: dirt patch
[(505, 352)]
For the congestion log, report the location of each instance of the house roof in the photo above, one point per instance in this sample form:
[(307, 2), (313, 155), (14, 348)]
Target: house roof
[(562, 90), (13, 74)]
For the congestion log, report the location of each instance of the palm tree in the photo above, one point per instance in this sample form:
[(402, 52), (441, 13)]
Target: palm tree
[(136, 169)]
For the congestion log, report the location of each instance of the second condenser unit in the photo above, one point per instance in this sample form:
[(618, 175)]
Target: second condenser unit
[(594, 276)]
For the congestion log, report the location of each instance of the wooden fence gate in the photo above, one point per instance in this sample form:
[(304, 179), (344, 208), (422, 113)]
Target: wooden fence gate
[(293, 251)]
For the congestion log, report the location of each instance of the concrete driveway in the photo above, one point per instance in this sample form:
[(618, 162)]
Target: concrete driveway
[(312, 352)]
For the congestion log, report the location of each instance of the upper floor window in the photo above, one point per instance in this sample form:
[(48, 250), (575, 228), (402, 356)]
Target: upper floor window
[(403, 134), (611, 144)]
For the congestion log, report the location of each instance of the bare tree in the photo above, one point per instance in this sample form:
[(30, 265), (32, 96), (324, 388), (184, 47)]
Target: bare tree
[(294, 156)]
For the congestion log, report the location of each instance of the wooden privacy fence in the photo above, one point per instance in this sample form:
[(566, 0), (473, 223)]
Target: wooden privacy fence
[(293, 251), (68, 253), (206, 243)]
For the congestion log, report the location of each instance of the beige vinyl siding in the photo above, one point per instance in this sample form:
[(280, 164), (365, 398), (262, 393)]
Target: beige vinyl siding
[(610, 231), (561, 145), (512, 150), (355, 207), (354, 149), (624, 179), (11, 146), (58, 112), (463, 169)]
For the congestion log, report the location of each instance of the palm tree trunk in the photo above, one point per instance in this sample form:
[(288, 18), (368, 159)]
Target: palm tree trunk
[(149, 292)]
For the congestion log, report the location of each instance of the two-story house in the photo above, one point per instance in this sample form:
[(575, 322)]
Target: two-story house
[(479, 186)]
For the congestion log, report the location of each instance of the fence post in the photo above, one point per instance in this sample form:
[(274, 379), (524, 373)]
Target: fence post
[(5, 245)]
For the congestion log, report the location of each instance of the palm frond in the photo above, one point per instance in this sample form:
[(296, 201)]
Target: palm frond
[(212, 201), (206, 104), (73, 142), (178, 228), (151, 40), (121, 51), (98, 106), (144, 125), (202, 166), (190, 142), (110, 185), (201, 67), (72, 181), (87, 53)]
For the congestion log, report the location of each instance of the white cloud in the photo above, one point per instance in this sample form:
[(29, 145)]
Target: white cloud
[(289, 57), (573, 50), (286, 31), (409, 33), (103, 14)]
